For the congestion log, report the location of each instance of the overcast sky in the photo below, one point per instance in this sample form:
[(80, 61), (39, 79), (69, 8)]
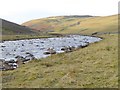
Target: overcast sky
[(20, 11)]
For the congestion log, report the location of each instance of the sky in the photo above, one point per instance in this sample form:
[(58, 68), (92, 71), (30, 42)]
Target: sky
[(20, 11)]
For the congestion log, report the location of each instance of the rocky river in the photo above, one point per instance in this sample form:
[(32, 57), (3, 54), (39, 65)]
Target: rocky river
[(41, 48)]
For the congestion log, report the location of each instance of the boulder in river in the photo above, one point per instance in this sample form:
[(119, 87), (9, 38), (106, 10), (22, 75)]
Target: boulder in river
[(20, 58), (22, 44), (29, 56), (12, 61), (20, 62), (50, 51), (46, 52), (23, 60), (82, 46), (9, 65), (68, 49), (3, 46)]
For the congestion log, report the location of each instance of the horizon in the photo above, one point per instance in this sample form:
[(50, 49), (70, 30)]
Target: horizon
[(53, 16), (24, 10)]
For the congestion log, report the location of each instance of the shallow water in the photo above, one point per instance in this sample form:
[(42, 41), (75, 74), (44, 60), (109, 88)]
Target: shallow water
[(11, 49)]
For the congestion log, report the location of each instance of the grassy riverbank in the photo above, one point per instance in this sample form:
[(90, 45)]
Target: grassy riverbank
[(92, 67), (20, 37)]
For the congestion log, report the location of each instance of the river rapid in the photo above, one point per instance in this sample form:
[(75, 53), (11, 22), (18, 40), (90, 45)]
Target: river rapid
[(37, 47)]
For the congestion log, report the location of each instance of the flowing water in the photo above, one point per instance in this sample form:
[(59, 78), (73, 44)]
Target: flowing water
[(37, 47)]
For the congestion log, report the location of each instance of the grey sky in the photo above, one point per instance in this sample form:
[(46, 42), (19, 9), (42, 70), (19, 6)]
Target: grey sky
[(20, 11)]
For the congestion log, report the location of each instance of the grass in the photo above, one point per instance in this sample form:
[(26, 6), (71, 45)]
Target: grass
[(68, 25), (19, 37), (95, 66)]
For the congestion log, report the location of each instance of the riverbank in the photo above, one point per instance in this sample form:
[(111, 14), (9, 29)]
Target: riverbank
[(21, 37), (95, 66)]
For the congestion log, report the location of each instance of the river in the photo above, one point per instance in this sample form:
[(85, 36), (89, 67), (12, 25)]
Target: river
[(37, 47)]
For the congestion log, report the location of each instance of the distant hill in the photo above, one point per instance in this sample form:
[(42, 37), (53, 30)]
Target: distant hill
[(52, 24), (74, 24), (10, 28)]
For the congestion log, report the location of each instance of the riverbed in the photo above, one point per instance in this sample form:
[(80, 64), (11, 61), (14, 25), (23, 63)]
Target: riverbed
[(37, 47)]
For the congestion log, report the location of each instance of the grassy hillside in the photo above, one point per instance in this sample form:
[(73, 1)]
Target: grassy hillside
[(13, 31), (9, 28), (95, 66), (72, 24)]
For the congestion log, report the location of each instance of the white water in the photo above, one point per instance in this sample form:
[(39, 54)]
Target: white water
[(11, 49)]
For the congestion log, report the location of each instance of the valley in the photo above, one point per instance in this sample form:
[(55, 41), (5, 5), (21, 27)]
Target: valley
[(91, 67)]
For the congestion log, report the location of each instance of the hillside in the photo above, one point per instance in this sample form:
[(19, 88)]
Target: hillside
[(74, 24), (10, 28)]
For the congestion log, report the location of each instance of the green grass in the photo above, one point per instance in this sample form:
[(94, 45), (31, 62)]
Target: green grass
[(19, 37), (95, 66)]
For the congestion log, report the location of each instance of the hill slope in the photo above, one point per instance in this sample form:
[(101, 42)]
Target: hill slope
[(10, 28), (74, 24)]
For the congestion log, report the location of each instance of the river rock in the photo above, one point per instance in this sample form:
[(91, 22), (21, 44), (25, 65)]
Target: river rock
[(12, 61), (3, 46), (1, 64), (9, 65), (68, 49), (50, 51), (84, 45), (20, 58)]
